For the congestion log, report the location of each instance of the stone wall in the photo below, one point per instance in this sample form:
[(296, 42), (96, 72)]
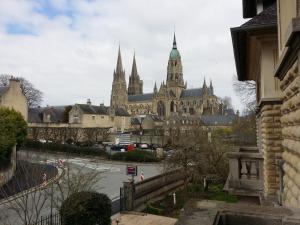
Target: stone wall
[(271, 145), (7, 174), (290, 120)]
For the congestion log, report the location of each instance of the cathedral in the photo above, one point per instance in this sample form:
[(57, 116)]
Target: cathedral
[(169, 98)]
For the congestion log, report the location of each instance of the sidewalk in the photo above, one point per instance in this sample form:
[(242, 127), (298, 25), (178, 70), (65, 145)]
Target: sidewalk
[(143, 219)]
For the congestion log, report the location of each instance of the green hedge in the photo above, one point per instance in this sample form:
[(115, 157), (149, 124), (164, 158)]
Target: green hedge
[(135, 156), (56, 147), (86, 208), (13, 130)]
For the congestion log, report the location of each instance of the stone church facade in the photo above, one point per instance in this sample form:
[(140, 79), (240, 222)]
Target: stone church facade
[(170, 98)]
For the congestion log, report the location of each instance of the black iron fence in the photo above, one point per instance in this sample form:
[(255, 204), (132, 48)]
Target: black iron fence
[(49, 220)]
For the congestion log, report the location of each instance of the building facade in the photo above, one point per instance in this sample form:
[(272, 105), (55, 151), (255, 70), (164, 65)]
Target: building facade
[(271, 39), (11, 96), (171, 97)]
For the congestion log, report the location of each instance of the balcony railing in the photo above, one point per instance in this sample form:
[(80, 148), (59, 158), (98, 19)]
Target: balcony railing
[(245, 172)]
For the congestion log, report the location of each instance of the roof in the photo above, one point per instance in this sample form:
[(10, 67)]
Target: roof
[(93, 109), (140, 98), (35, 115), (250, 7), (56, 113), (195, 92), (218, 120), (174, 54), (155, 118), (266, 17), (135, 121), (121, 112), (265, 21), (3, 90)]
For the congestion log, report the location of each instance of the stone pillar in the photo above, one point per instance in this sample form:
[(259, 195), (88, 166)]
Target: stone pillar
[(271, 145), (128, 195)]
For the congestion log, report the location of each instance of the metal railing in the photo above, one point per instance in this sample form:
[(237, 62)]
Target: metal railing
[(49, 220)]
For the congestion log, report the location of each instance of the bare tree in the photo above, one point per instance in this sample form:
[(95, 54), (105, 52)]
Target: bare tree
[(33, 95), (73, 181), (246, 90), (27, 207), (199, 152)]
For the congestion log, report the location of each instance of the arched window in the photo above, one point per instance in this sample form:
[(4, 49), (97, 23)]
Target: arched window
[(172, 107), (161, 108)]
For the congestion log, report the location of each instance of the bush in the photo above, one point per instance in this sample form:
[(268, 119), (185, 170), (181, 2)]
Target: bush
[(57, 147), (154, 210), (135, 156), (86, 208), (13, 130)]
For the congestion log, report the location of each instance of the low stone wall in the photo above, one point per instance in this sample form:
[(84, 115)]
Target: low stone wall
[(291, 137), (7, 174), (134, 195)]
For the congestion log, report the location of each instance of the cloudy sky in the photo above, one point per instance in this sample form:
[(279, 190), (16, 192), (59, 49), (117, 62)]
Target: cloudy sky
[(68, 48)]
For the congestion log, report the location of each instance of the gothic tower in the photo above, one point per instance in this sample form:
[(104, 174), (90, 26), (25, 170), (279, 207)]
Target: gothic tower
[(211, 88), (135, 85), (175, 80), (119, 96)]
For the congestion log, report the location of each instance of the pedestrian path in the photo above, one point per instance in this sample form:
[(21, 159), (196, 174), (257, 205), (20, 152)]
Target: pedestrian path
[(142, 219)]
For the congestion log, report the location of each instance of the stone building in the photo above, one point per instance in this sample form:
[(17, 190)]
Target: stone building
[(169, 98), (266, 50), (11, 96)]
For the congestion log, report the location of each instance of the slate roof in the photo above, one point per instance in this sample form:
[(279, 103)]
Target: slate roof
[(135, 121), (35, 115), (93, 109), (3, 90), (56, 113), (121, 112), (218, 120), (195, 92), (266, 17), (140, 98), (266, 21)]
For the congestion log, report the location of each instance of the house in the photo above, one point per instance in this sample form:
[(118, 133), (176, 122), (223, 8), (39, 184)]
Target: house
[(11, 96), (266, 50)]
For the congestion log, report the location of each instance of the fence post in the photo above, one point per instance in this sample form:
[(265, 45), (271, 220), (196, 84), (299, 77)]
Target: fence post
[(128, 195)]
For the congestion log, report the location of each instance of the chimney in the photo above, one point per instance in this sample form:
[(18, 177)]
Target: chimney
[(89, 102), (14, 83)]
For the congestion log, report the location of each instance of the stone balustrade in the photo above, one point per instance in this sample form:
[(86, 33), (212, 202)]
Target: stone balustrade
[(245, 172)]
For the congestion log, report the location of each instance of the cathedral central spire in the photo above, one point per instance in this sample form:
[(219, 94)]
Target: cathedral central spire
[(174, 42)]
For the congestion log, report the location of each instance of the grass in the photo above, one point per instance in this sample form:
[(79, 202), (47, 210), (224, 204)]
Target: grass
[(166, 206)]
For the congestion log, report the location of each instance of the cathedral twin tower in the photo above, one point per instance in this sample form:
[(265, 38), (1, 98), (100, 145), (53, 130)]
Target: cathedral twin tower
[(119, 94)]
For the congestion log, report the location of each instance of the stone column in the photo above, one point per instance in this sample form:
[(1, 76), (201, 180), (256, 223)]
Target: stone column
[(128, 195), (271, 144)]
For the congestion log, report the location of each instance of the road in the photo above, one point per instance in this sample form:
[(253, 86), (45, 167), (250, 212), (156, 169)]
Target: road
[(112, 176)]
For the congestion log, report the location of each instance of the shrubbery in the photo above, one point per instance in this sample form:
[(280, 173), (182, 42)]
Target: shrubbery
[(57, 147), (135, 156), (86, 208), (13, 130)]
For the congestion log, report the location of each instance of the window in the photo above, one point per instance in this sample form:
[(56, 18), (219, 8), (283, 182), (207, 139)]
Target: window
[(93, 117)]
